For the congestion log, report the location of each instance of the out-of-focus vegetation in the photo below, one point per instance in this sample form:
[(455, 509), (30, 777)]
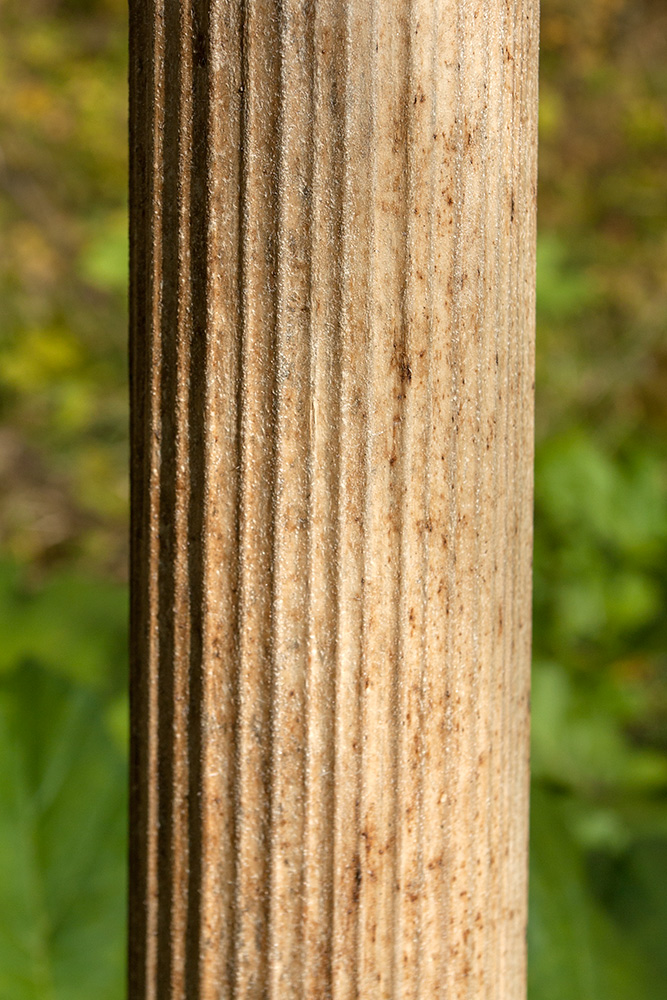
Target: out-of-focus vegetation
[(599, 822), (598, 922), (63, 499), (63, 275)]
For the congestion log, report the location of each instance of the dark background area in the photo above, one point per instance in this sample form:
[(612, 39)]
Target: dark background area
[(598, 921)]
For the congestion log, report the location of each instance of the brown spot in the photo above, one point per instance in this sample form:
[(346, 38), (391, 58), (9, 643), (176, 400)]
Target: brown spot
[(357, 879), (401, 363)]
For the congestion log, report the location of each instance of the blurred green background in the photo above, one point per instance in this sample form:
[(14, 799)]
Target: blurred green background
[(598, 924)]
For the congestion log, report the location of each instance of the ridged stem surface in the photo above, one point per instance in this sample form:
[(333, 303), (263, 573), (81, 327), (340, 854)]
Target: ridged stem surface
[(332, 297)]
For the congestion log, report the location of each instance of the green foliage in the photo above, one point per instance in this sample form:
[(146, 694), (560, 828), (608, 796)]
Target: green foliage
[(63, 179), (577, 951), (63, 499), (62, 842), (74, 624), (599, 809), (602, 520)]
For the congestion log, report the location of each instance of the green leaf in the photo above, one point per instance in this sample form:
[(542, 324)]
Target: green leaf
[(641, 902), (578, 740), (76, 625), (62, 843), (104, 260), (576, 951), (564, 289)]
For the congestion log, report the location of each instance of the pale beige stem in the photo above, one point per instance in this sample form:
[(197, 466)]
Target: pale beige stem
[(332, 296)]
